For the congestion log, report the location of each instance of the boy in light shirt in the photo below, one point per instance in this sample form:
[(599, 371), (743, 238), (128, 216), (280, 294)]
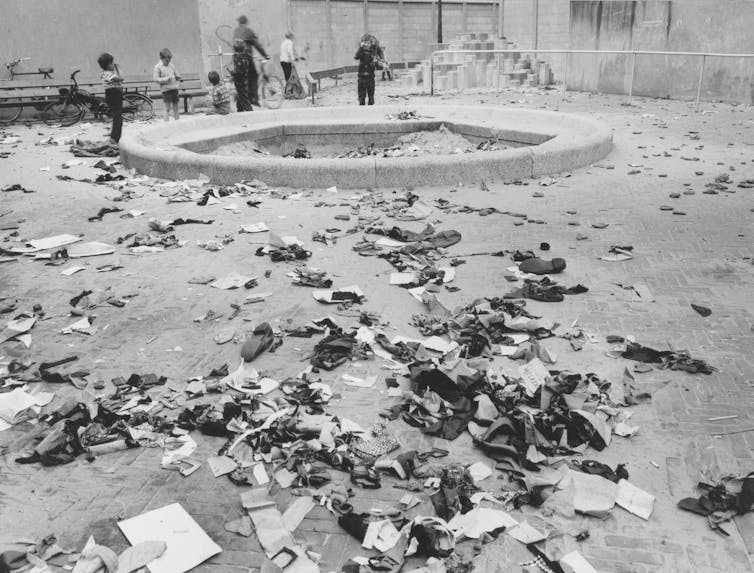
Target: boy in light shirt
[(168, 78)]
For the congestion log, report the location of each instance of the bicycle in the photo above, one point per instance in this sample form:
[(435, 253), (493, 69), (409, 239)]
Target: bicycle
[(46, 73), (271, 86), (73, 103)]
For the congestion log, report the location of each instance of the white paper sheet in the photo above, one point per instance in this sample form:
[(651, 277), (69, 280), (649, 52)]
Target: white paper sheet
[(574, 562), (296, 512), (187, 543), (525, 533), (15, 406), (479, 520), (533, 375), (254, 228), (635, 500)]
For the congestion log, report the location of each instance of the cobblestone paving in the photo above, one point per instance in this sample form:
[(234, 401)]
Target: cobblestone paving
[(702, 257)]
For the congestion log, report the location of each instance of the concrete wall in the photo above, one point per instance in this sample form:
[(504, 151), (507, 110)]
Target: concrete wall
[(70, 34), (332, 28), (663, 25)]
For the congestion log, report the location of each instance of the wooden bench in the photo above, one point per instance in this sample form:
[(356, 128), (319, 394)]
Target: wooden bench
[(337, 73), (190, 87)]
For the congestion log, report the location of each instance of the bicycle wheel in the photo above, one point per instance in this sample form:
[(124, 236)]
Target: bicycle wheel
[(137, 107), (273, 91), (62, 113), (10, 113)]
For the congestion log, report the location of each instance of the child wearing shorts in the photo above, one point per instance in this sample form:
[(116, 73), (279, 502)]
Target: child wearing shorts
[(168, 78)]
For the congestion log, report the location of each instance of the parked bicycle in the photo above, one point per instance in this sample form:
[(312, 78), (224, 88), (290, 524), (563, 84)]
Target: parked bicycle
[(73, 103), (13, 64)]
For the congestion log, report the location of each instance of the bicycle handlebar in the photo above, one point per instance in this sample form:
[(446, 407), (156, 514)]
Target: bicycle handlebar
[(73, 77), (13, 63)]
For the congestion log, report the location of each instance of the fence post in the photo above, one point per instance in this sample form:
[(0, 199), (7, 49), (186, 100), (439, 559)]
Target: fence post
[(501, 10), (328, 19), (699, 85), (498, 73), (432, 74), (565, 77), (401, 32), (631, 80)]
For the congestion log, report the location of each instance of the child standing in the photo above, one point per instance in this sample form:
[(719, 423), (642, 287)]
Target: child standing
[(242, 62), (365, 55), (220, 95), (113, 93), (168, 78)]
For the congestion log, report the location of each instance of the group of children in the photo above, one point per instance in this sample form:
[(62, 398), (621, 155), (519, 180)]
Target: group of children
[(244, 75)]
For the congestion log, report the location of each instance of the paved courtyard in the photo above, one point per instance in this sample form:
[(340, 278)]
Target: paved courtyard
[(699, 252)]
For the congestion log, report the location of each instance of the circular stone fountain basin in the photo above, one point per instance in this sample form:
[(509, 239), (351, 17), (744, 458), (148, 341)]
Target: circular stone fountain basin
[(537, 143)]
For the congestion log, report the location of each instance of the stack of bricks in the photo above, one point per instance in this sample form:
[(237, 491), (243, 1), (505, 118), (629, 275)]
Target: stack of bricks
[(459, 71)]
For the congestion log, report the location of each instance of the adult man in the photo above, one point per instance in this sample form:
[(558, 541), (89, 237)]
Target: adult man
[(243, 32)]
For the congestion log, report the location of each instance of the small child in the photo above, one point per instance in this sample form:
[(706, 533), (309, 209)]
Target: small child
[(220, 95), (168, 78), (365, 85), (242, 63), (113, 93)]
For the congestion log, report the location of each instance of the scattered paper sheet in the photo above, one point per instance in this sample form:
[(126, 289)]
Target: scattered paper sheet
[(525, 533), (268, 522), (416, 212), (71, 271), (221, 465), (389, 243), (533, 374), (409, 500), (16, 327), (359, 382), (404, 278), (187, 543), (260, 474), (231, 281), (16, 406), (574, 562), (479, 471), (297, 511), (635, 500), (592, 494), (254, 228), (337, 295), (478, 521), (47, 243), (381, 535)]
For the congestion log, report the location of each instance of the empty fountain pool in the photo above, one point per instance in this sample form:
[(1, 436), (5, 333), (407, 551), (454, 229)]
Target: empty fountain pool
[(525, 143)]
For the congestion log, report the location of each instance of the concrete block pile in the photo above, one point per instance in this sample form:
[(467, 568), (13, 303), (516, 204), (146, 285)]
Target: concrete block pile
[(459, 71)]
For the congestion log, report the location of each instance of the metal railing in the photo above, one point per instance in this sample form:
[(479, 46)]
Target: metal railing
[(632, 53)]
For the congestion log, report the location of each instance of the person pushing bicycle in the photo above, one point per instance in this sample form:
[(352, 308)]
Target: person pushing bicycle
[(243, 32)]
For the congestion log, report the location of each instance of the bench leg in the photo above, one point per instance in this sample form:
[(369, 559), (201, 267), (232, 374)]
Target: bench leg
[(185, 104)]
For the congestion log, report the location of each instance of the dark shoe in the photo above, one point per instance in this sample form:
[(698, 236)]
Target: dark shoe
[(261, 339), (542, 267)]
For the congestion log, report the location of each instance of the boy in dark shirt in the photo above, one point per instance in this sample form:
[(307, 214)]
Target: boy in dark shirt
[(241, 63), (365, 55), (113, 82)]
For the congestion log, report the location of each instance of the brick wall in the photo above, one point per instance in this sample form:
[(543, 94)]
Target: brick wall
[(482, 18), (309, 22), (418, 32)]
